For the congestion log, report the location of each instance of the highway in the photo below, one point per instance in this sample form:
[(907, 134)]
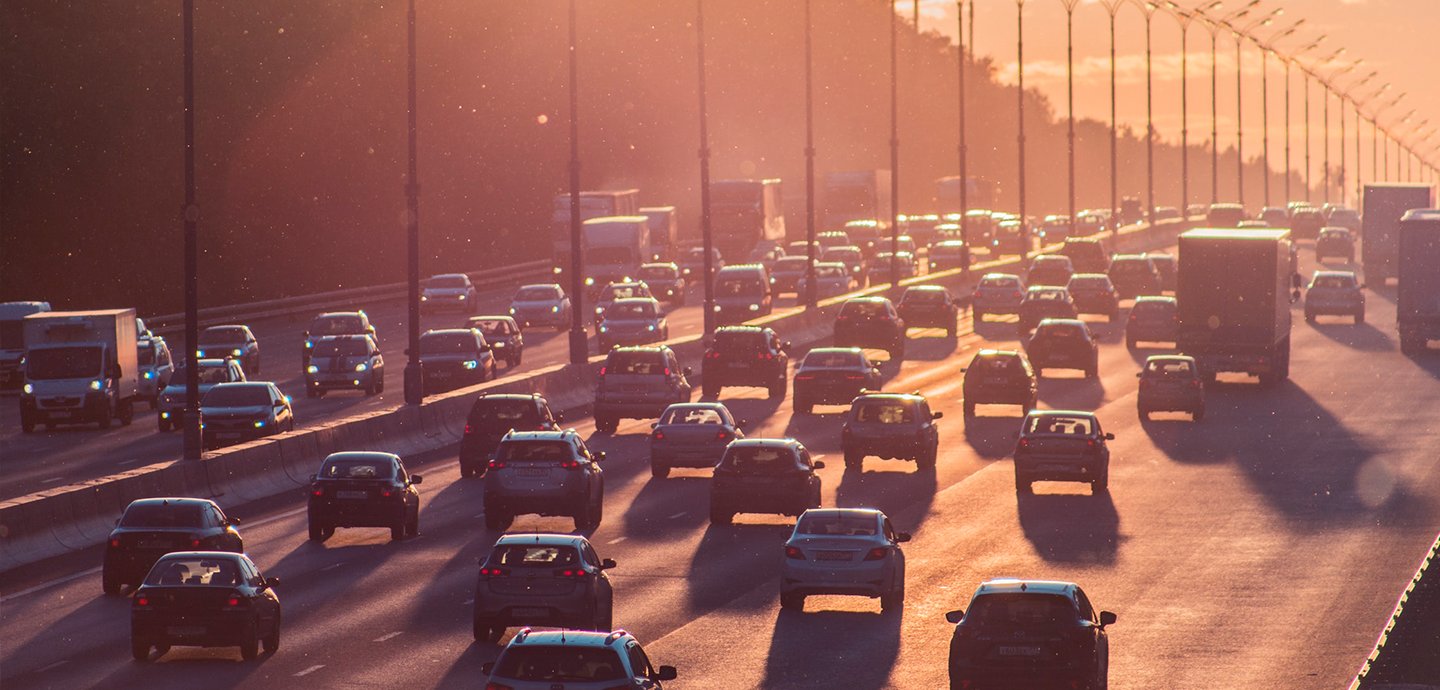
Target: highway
[(1261, 548)]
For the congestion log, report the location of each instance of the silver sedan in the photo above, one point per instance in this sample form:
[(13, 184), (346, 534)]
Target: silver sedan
[(691, 435), (844, 551)]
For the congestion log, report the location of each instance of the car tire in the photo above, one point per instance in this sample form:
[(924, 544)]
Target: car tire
[(272, 641), (854, 460), (397, 530), (481, 629), (1114, 315), (126, 412), (659, 470), (607, 424), (1022, 485), (1101, 485), (413, 528), (777, 389), (104, 418), (792, 601), (1092, 371), (140, 649), (374, 388), (968, 409), (720, 516), (250, 643), (926, 461), (1130, 343), (27, 423), (1198, 413), (894, 600), (110, 582), (1360, 317), (311, 392), (496, 520), (976, 316), (1144, 414), (1309, 318)]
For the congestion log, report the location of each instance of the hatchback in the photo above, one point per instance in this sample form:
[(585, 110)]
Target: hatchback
[(998, 377), (929, 306), (542, 579), (832, 279), (833, 376), (1134, 275), (455, 358), (238, 412), (853, 551), (541, 305), (493, 415), (574, 661), (1152, 319), (1170, 383), (1050, 269), (632, 322), (691, 435), (205, 599), (332, 324), (1044, 303), (1094, 294), (1336, 293), (364, 489), (746, 356), (1029, 633), (1063, 344), (550, 473), (504, 336), (448, 291), (1087, 255), (231, 341), (764, 476), (997, 293), (891, 426), (345, 362), (664, 282), (1062, 445), (638, 383), (1335, 242), (870, 322)]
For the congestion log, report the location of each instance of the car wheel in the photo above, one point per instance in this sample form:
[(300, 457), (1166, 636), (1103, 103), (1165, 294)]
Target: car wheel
[(777, 389), (1360, 317), (894, 600), (607, 424), (397, 530), (1101, 485), (854, 460), (164, 426), (720, 516), (413, 528), (466, 470), (659, 470), (926, 461), (486, 631), (969, 409), (1022, 485), (272, 641), (311, 392), (109, 582), (27, 424), (1114, 315), (1309, 318), (104, 418), (976, 316), (1144, 415), (1198, 414), (1092, 371), (316, 531), (140, 649), (792, 601), (126, 412), (373, 388), (1130, 343), (250, 644), (328, 531)]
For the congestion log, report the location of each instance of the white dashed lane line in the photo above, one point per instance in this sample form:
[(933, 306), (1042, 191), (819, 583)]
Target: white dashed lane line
[(310, 670), (388, 636), (51, 667), (617, 540), (677, 515), (332, 566)]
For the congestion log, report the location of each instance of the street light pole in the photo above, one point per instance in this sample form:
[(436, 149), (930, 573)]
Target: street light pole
[(895, 152), (1240, 34), (1265, 49), (1111, 7), (1340, 97), (1184, 17), (1070, 96), (414, 371), (193, 448), (709, 267), (1148, 9), (579, 347), (1325, 106), (1288, 61), (1020, 139), (964, 152), (810, 282)]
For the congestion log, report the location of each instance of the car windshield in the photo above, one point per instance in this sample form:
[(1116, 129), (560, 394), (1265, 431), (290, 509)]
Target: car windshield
[(1016, 608), (1334, 282), (358, 469), (447, 282), (734, 287), (657, 273), (740, 341), (829, 271), (887, 412), (631, 310), (637, 363), (340, 347), (145, 356), (1089, 284), (163, 515), (947, 248), (220, 336), (1166, 368), (863, 309), (215, 572), (238, 395), (492, 327), (614, 292), (1000, 283), (692, 415), (448, 344), (1069, 425), (760, 459), (504, 412), (534, 451), (1131, 266), (537, 294), (838, 524), (559, 664), (1051, 262), (914, 296), (795, 264), (75, 362), (819, 359), (534, 555), (997, 363), (337, 325)]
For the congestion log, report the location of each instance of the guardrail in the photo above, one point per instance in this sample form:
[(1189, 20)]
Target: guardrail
[(1405, 654)]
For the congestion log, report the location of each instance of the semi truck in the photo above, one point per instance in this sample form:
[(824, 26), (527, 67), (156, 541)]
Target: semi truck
[(614, 249), (80, 367), (1417, 294), (1383, 206), (979, 194), (1234, 290), (857, 195), (744, 213), (12, 339), (664, 232), (595, 204)]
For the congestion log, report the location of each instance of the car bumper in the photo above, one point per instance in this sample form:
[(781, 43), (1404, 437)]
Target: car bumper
[(888, 448), (828, 393), (772, 499), (1335, 307), (570, 610), (1166, 401), (996, 307), (357, 514), (867, 578), (1058, 468), (567, 504), (209, 630), (687, 455), (328, 382)]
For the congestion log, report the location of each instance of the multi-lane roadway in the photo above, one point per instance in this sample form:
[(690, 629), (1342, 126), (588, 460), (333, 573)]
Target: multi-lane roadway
[(1261, 548)]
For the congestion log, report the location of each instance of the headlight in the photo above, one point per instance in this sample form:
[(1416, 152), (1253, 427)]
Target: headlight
[(29, 389), (312, 369), (512, 311), (164, 415), (309, 344), (149, 374), (361, 367), (201, 353), (462, 298), (236, 353), (717, 308), (470, 364), (94, 385), (260, 424), (202, 425), (754, 307), (553, 310), (649, 327), (589, 281), (424, 298), (604, 329)]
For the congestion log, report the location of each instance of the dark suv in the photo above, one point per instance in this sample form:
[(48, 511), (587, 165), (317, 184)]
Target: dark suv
[(1087, 255), (548, 473), (455, 358), (1062, 445), (833, 376), (1134, 275), (1029, 632), (364, 489), (870, 322), (638, 383), (1093, 293), (1050, 269), (891, 425), (1042, 303), (1152, 319), (153, 527), (764, 475), (929, 306), (334, 323), (746, 356), (998, 377), (493, 415), (1063, 344), (542, 579)]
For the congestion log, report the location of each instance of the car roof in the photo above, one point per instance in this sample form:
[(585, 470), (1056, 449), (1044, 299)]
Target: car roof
[(572, 638), (1169, 358), (835, 349), (925, 288), (626, 284), (227, 555), (542, 538), (1063, 322), (889, 396), (836, 512), (361, 455), (447, 331), (660, 264), (543, 435), (448, 275), (1061, 413), (1156, 298), (1000, 276), (698, 406), (490, 317), (997, 353), (341, 313), (868, 299), (1335, 274), (740, 329), (654, 349), (635, 300), (1013, 585), (249, 384), (168, 500), (765, 443)]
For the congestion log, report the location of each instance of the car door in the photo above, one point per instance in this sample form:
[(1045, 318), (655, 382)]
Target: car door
[(1100, 639), (604, 592), (377, 362), (412, 494), (486, 357), (894, 542), (267, 604)]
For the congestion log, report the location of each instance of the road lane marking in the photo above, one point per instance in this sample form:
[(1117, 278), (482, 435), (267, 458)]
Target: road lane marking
[(310, 670), (617, 540), (468, 602), (388, 636), (332, 567), (131, 461), (677, 515), (52, 667), (52, 479)]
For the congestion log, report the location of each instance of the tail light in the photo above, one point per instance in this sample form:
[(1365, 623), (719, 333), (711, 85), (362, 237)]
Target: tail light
[(722, 435), (1105, 293), (492, 572), (468, 429), (854, 377), (1195, 383), (765, 355), (497, 686), (804, 377), (1024, 443), (115, 542), (712, 355), (194, 542), (318, 492), (1090, 443), (1019, 295), (602, 373), (1144, 383), (497, 464), (570, 464), (976, 295), (795, 553), (877, 554), (235, 603), (142, 602), (571, 572), (658, 435)]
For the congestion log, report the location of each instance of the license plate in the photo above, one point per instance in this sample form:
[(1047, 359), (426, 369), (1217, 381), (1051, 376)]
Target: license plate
[(1019, 651), (832, 556), (441, 374), (228, 434), (152, 544), (361, 495), (185, 630), (755, 480), (60, 415), (529, 612), (532, 472)]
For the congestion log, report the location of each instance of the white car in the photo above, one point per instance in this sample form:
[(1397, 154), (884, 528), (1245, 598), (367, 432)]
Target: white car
[(448, 291), (844, 551), (831, 279), (541, 305)]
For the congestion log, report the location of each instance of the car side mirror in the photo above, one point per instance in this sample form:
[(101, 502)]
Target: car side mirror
[(1139, 374), (785, 347), (741, 424), (665, 673), (687, 371), (955, 616), (487, 667), (279, 403), (1106, 618), (937, 415), (233, 521), (370, 330), (600, 456), (269, 582), (962, 369), (1109, 436), (416, 479), (607, 564), (819, 464), (902, 537)]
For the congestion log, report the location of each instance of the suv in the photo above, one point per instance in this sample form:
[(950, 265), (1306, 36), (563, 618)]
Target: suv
[(742, 292), (746, 356), (231, 341), (1029, 631), (1336, 242), (997, 293), (1062, 445), (548, 473), (998, 377), (1064, 344), (1170, 383), (503, 334), (541, 305), (334, 323), (870, 322), (1050, 269), (156, 368), (1087, 254), (455, 358), (153, 527), (1093, 293), (1337, 293), (638, 383), (1305, 223), (1044, 303), (364, 489), (833, 376), (664, 282), (493, 415), (764, 475), (929, 306), (171, 405), (244, 411), (542, 579), (890, 426), (344, 362), (1152, 319), (1134, 275), (547, 660)]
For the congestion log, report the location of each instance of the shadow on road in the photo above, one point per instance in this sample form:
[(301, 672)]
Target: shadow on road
[(1071, 392), (992, 438), (1358, 336), (832, 649), (891, 486), (731, 560), (1071, 528)]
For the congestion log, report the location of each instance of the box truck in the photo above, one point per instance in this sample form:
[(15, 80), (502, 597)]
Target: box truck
[(1384, 205), (80, 367), (1417, 293)]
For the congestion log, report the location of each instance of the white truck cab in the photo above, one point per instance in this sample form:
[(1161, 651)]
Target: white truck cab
[(79, 367)]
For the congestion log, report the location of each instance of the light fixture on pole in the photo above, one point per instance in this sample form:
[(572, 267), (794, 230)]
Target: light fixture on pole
[(895, 153), (193, 446), (1213, 25), (1289, 61), (1070, 97), (1266, 48), (1310, 72)]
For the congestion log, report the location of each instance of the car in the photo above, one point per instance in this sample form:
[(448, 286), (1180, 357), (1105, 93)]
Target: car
[(1305, 223), (448, 291), (504, 336), (455, 358), (854, 259), (1133, 275), (578, 660), (745, 356), (853, 551), (1275, 216), (929, 306), (788, 272), (1093, 293), (764, 475), (239, 412), (766, 255), (1344, 217), (1087, 254), (1167, 213), (364, 489), (1053, 229), (638, 383), (1007, 240), (1152, 319), (231, 341), (331, 324), (998, 377), (1088, 223), (170, 410), (632, 289), (542, 579), (905, 266), (1170, 383), (891, 426), (1167, 268), (1062, 445), (1043, 302), (1029, 632), (870, 322), (833, 376), (549, 473), (493, 415), (997, 293), (833, 238), (1196, 210), (205, 599), (156, 368), (1335, 242), (692, 263), (691, 435), (798, 249), (1336, 293), (1252, 225), (946, 255), (1225, 215), (742, 292), (345, 362), (152, 527), (1063, 344), (541, 305), (1050, 269), (664, 281), (868, 235), (634, 321), (832, 279)]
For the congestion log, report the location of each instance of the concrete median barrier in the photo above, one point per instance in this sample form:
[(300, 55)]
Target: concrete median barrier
[(1406, 654)]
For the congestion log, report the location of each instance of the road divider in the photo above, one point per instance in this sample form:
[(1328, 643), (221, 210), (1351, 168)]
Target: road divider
[(1406, 655)]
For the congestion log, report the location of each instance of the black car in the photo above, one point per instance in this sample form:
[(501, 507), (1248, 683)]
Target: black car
[(548, 473), (205, 599), (1044, 303), (1134, 275), (948, 254), (1305, 223), (231, 341), (334, 323), (833, 376), (1030, 633), (764, 476), (1335, 242), (746, 356), (493, 415), (1062, 445), (870, 322), (1063, 344), (788, 271), (455, 358), (1093, 293), (929, 306), (1152, 319), (153, 527), (1166, 266), (1087, 254), (1050, 269), (664, 282), (504, 336), (239, 412), (364, 489), (542, 579), (998, 377), (889, 426)]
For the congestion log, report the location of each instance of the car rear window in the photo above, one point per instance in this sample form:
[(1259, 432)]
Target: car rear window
[(614, 292), (914, 296), (886, 412), (1131, 266), (358, 469), (512, 412), (1169, 368), (692, 415), (447, 343), (831, 360), (1015, 608), (1046, 295), (997, 363), (1334, 282), (865, 308), (146, 356), (1089, 283), (220, 572), (657, 273), (842, 254), (447, 282), (534, 451), (793, 263), (760, 459), (999, 282), (636, 363), (830, 270), (1062, 330), (559, 664), (534, 555), (237, 395), (229, 334), (537, 294), (838, 524), (1058, 424), (731, 287), (162, 515), (740, 341)]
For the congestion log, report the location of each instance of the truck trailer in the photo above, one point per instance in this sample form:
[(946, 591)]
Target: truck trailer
[(594, 204), (857, 195), (1234, 290), (1417, 294), (744, 213), (80, 367), (1384, 205)]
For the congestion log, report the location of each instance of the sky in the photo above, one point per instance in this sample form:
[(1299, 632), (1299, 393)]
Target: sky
[(1395, 38)]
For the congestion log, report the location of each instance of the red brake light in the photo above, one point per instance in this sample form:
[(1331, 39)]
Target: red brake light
[(667, 371), (142, 601), (712, 355), (234, 601), (1090, 442), (804, 377), (386, 493), (497, 465), (319, 492), (570, 464), (1024, 443), (766, 355), (468, 429), (602, 373), (658, 435), (114, 542), (1018, 295), (1144, 383), (492, 572), (1195, 384), (722, 435), (571, 572), (194, 543), (877, 553), (795, 553), (1105, 293), (497, 686)]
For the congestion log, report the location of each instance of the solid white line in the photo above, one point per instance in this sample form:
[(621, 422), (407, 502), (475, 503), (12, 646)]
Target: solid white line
[(52, 667), (672, 517), (130, 461), (387, 636), (617, 540), (310, 670), (332, 567)]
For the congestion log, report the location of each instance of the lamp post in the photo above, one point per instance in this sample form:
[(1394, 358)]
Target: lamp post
[(895, 153), (193, 448), (1147, 8), (414, 370), (810, 283), (1359, 130), (1214, 25), (1184, 17), (1325, 107), (1020, 138), (1377, 172), (1309, 73), (1070, 96), (1340, 110), (1240, 34), (1266, 48), (708, 239), (579, 348), (1111, 7), (964, 151), (1288, 61)]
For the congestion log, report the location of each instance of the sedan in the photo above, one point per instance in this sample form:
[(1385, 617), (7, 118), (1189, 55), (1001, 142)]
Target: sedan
[(238, 412), (997, 293), (364, 489), (172, 402), (1044, 303), (948, 254), (764, 476), (153, 527), (788, 272), (833, 376), (455, 358), (831, 280), (1064, 344), (853, 551), (904, 263), (929, 306), (205, 599), (1093, 293), (448, 291), (618, 291), (634, 321), (541, 305), (691, 435), (664, 281), (231, 341), (345, 362)]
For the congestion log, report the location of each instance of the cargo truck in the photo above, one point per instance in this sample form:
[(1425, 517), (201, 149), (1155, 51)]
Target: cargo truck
[(1384, 205), (857, 195), (664, 232), (80, 367), (614, 249), (12, 339), (1417, 294), (1234, 290), (595, 204), (743, 213)]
